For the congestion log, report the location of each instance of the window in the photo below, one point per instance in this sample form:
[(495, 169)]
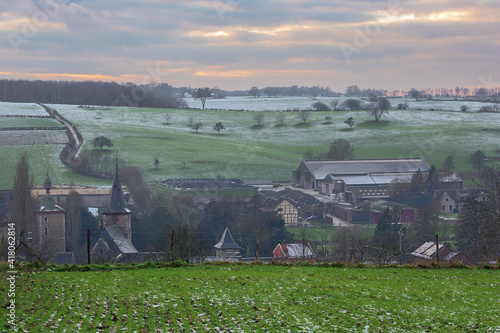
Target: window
[(446, 199), (45, 219), (451, 208), (443, 208), (46, 231), (407, 218)]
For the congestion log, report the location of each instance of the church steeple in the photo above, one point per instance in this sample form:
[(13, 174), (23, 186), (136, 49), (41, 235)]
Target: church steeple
[(117, 213), (48, 184), (117, 203)]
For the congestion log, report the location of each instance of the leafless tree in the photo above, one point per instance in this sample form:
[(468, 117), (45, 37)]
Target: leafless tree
[(280, 118), (304, 115), (258, 118)]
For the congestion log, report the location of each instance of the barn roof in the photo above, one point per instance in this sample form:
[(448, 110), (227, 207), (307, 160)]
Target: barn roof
[(363, 168)]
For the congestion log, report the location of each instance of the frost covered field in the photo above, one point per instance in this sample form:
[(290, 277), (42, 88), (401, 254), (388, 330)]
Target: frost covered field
[(264, 103), (252, 298), (244, 150)]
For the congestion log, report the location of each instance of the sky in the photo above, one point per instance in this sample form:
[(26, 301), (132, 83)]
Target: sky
[(237, 44)]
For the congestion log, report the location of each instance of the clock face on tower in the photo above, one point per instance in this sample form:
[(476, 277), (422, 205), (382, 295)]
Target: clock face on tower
[(114, 218)]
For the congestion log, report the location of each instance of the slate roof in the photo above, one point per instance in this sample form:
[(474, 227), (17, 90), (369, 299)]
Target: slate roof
[(115, 239), (297, 250), (427, 250), (226, 242), (48, 203), (362, 168), (457, 195), (117, 204), (298, 198)]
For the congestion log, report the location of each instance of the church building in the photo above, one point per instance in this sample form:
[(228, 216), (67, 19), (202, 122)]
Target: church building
[(50, 231), (117, 213)]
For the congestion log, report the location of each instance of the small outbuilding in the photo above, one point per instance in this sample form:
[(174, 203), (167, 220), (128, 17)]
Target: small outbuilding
[(226, 248)]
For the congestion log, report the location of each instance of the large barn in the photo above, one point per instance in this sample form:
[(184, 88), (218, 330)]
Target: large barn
[(357, 180)]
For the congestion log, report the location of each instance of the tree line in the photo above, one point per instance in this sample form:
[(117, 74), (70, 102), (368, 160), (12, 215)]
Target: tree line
[(90, 93)]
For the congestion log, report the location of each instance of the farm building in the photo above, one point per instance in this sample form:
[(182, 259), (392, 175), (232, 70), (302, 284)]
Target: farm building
[(293, 251), (353, 181), (370, 211), (429, 252), (291, 205), (287, 209), (451, 201)]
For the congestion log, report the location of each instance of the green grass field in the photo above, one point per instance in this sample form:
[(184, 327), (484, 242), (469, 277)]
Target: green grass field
[(257, 298), (246, 151)]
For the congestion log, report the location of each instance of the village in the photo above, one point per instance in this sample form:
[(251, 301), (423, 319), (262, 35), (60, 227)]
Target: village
[(323, 194)]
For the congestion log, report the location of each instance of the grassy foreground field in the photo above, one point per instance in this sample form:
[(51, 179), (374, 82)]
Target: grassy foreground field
[(257, 298), (244, 150)]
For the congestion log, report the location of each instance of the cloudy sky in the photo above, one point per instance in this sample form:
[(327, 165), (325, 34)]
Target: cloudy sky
[(236, 44)]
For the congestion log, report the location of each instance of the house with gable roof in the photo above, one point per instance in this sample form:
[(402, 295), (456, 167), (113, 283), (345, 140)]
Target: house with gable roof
[(429, 252), (293, 251)]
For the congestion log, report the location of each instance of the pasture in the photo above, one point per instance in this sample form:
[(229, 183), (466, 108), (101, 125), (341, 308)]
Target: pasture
[(246, 151), (253, 298)]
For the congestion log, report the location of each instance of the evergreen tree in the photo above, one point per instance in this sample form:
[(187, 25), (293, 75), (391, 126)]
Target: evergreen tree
[(22, 201)]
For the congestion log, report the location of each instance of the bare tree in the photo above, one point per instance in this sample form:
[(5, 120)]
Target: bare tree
[(304, 115), (479, 220), (202, 94), (378, 107), (350, 122), (258, 118), (74, 204), (197, 126), (281, 117), (335, 105), (167, 118), (218, 127), (254, 91), (340, 150)]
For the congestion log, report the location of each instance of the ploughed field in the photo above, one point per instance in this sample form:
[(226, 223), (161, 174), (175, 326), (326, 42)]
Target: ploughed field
[(252, 298), (243, 150)]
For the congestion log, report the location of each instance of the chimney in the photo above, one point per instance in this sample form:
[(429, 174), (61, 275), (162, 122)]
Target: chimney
[(283, 246)]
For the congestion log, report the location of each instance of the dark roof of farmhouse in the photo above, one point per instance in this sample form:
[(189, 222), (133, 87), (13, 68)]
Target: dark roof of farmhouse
[(297, 198), (226, 242), (361, 168)]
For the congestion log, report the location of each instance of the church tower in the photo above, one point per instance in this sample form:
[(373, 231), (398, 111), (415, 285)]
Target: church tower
[(50, 218), (117, 213)]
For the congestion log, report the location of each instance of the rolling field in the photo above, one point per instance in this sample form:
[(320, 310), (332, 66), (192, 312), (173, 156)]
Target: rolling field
[(257, 298), (244, 150)]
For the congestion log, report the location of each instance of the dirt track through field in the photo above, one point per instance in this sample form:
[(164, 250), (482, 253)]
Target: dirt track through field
[(70, 157)]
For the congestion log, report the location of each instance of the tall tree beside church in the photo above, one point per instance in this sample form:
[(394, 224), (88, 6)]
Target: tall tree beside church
[(385, 241), (74, 204), (22, 201)]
